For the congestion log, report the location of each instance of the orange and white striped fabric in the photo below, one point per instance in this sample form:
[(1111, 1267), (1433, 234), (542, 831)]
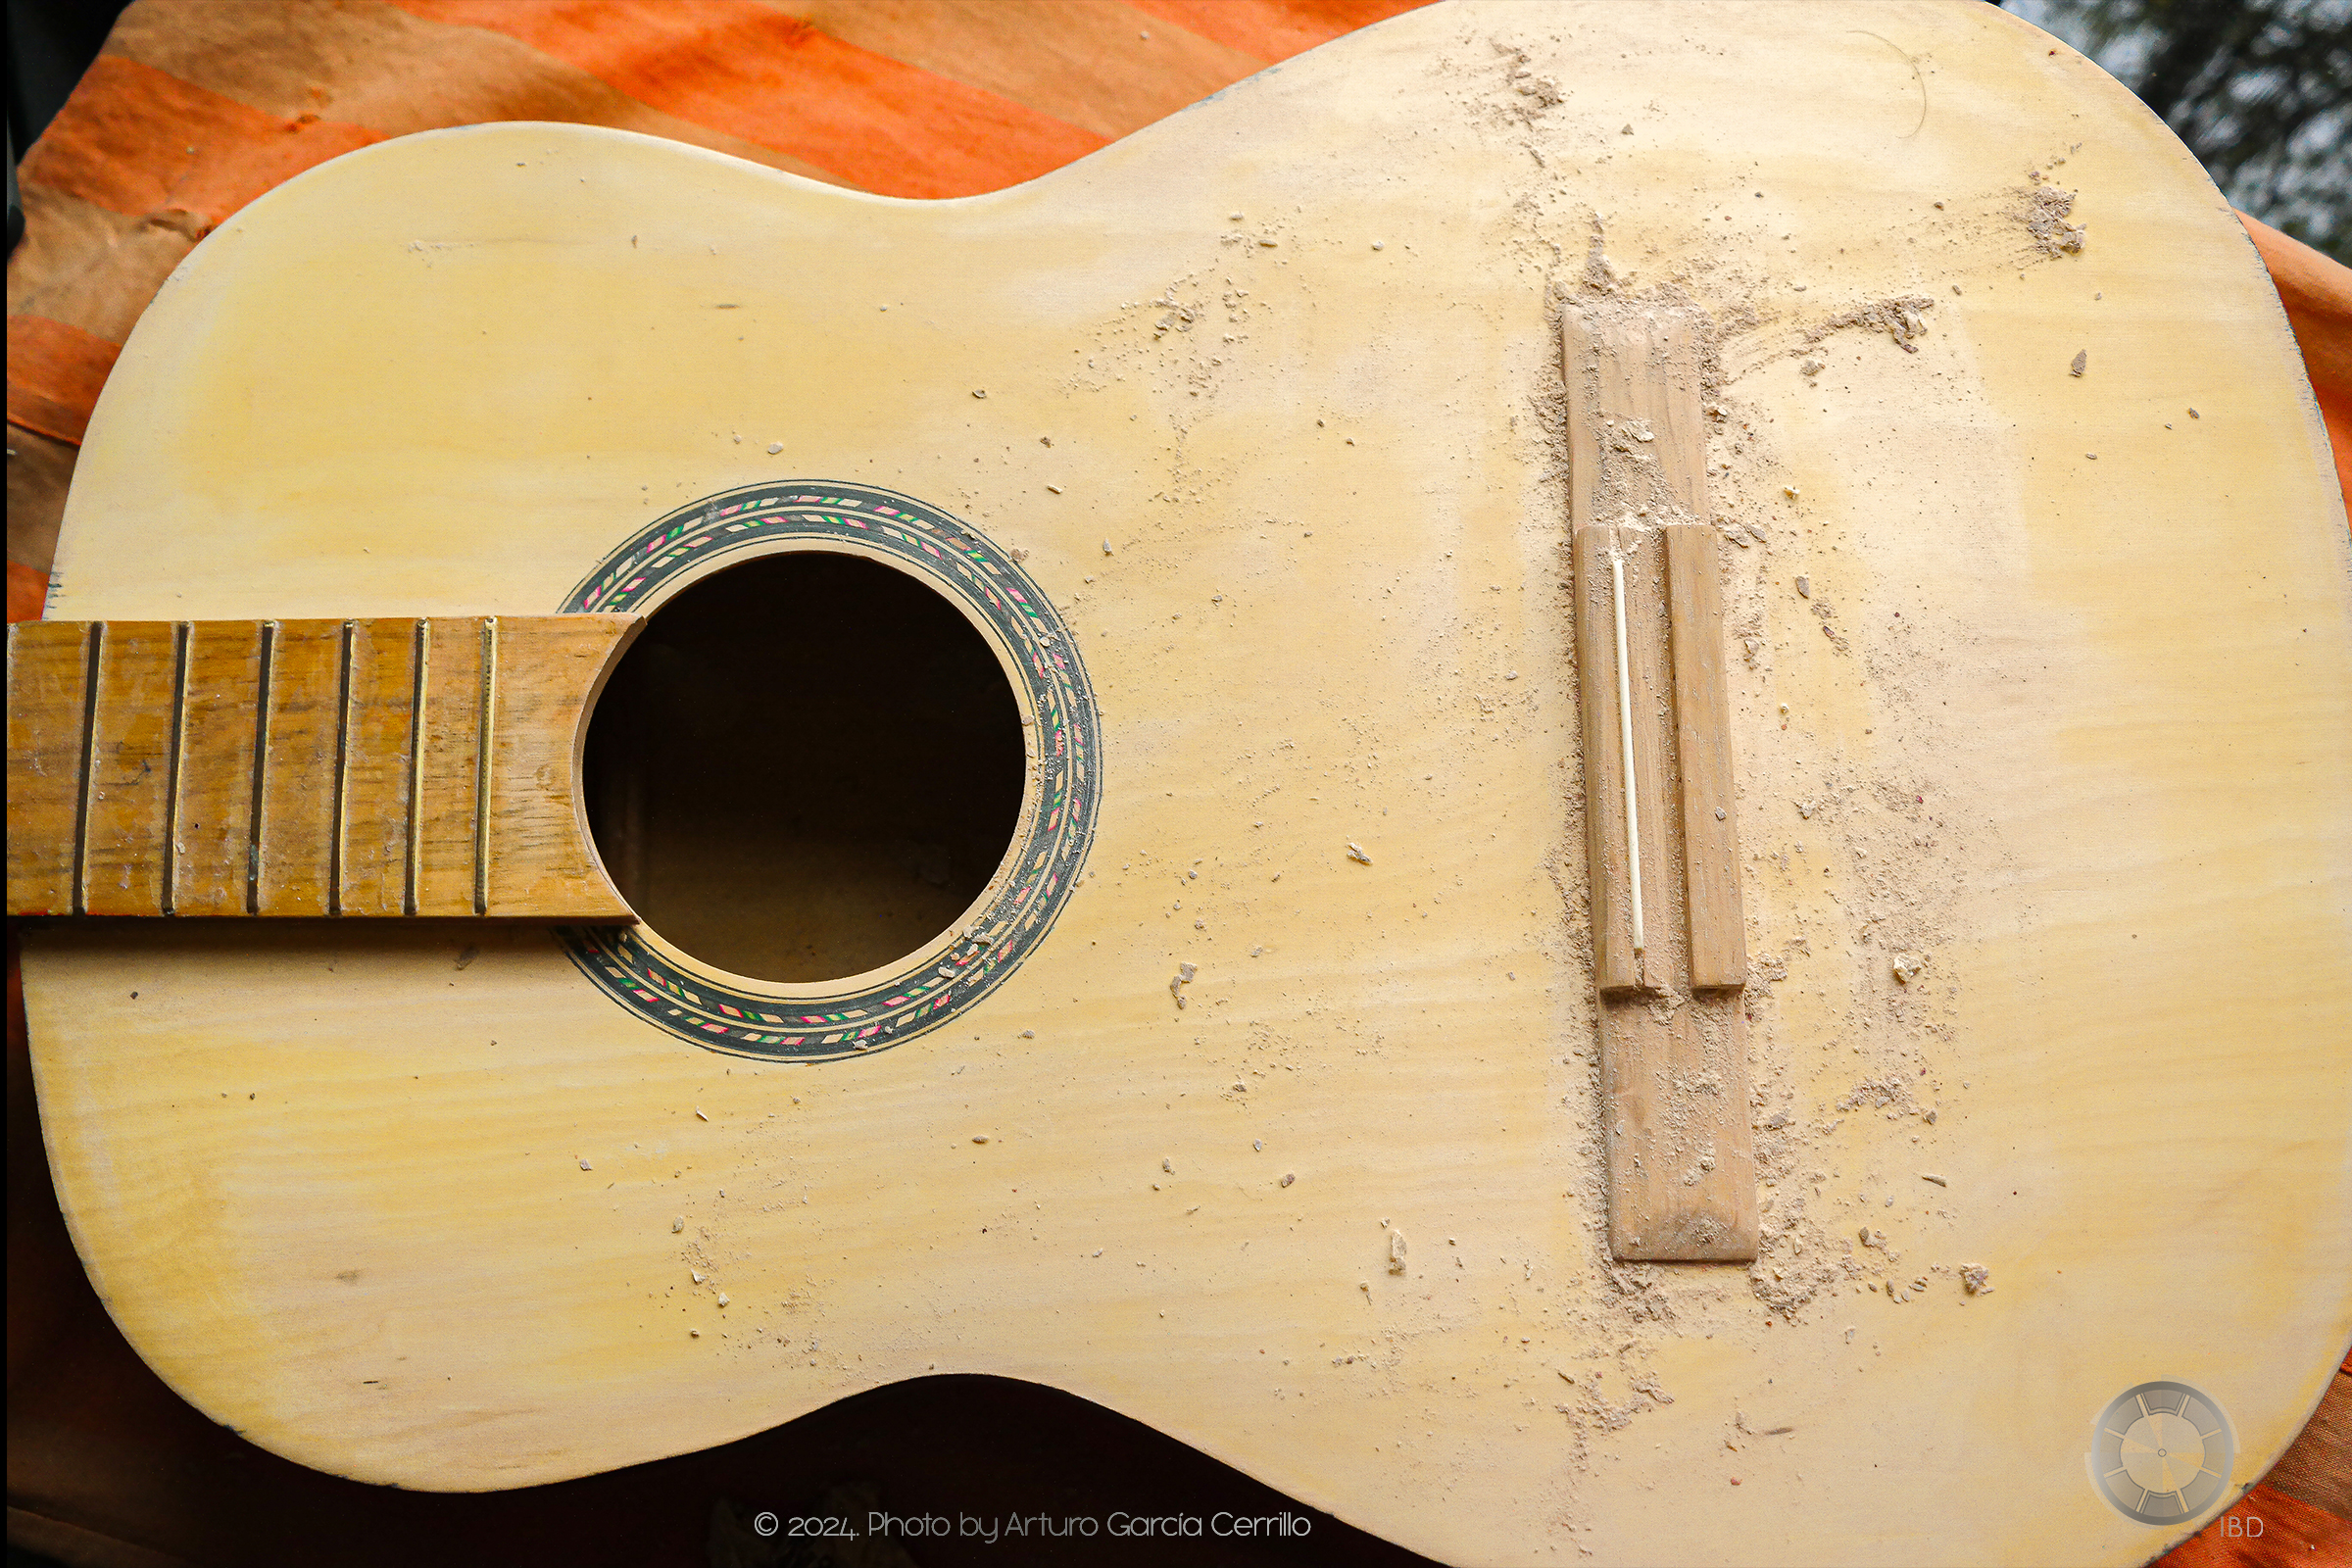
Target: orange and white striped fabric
[(195, 107)]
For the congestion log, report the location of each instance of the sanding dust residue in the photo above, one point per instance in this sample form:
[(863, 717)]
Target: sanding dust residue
[(2045, 209)]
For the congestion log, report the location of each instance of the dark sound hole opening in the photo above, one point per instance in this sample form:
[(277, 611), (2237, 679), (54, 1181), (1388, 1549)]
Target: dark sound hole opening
[(806, 766)]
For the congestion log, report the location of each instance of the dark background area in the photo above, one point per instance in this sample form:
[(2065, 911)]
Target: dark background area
[(749, 804)]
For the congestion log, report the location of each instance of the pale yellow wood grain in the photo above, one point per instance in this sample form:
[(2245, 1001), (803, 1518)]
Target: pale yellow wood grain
[(48, 752), (134, 724), (2110, 739), (449, 779), (213, 864), (373, 857), (542, 862), (302, 726)]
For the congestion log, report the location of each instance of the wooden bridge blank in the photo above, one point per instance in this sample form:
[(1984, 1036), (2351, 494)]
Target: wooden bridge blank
[(305, 768), (1669, 953)]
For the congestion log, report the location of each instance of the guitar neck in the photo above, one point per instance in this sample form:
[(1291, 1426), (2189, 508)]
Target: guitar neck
[(377, 767)]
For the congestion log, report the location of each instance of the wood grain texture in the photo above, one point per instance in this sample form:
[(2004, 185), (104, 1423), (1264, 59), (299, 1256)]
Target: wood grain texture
[(1638, 447), (1580, 375), (448, 784), (213, 862), (1609, 879), (542, 861), (1638, 442), (1703, 731), (1674, 1082), (1682, 1159), (373, 860), (48, 752), (134, 730), (1682, 1178), (302, 727), (1640, 559), (2036, 794), (363, 809), (1650, 684)]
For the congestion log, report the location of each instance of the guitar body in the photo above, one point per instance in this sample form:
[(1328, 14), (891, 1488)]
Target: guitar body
[(2041, 709)]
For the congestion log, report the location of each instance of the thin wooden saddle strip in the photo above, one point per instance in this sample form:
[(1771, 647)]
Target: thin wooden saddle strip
[(381, 768)]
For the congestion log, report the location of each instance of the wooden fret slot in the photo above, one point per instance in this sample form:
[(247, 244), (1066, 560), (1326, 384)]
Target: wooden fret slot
[(448, 770), (212, 835), (48, 757), (134, 719), (302, 724)]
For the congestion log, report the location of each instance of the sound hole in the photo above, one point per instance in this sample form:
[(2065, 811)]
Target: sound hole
[(806, 766)]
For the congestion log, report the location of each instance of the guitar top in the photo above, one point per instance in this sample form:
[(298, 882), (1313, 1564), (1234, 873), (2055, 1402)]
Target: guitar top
[(1224, 1044)]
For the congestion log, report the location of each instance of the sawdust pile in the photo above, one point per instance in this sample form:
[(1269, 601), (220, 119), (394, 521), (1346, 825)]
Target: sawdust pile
[(2044, 211)]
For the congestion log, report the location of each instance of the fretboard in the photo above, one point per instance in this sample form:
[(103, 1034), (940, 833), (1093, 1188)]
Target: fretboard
[(304, 767)]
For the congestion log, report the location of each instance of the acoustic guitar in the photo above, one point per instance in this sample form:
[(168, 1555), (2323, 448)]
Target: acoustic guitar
[(1574, 757)]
